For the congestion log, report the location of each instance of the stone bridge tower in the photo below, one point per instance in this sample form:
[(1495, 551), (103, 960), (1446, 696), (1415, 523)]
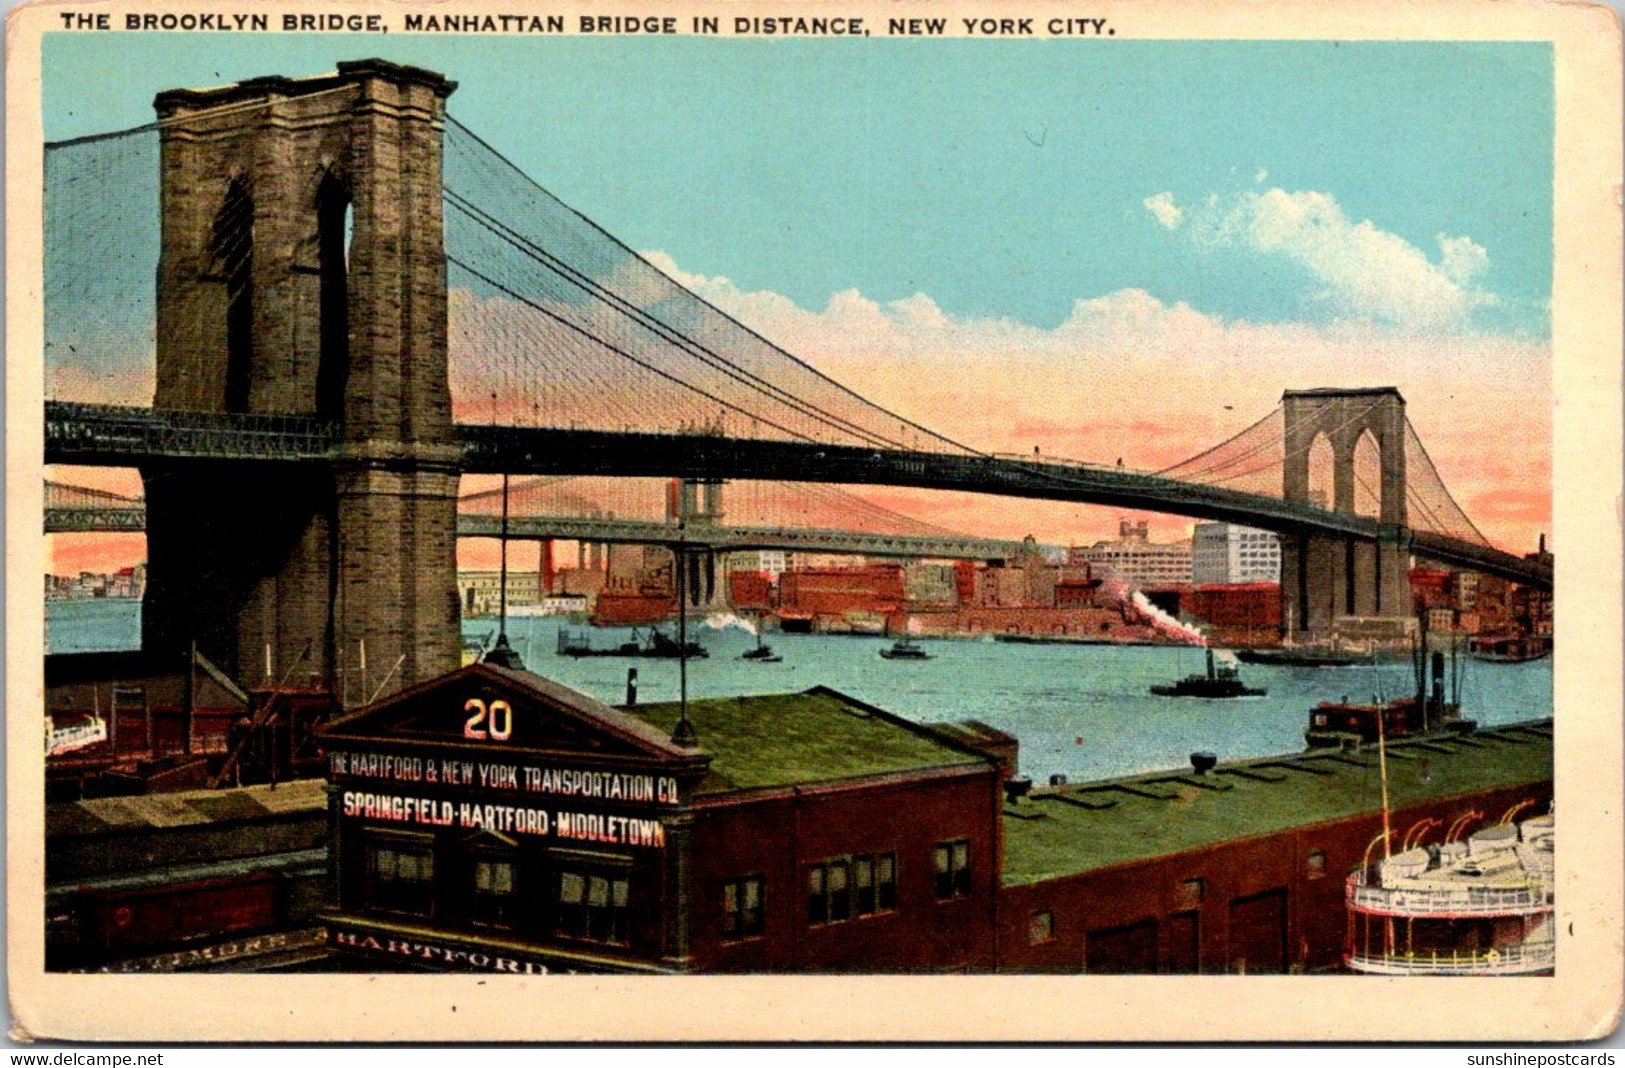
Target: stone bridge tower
[(1324, 576), (303, 272)]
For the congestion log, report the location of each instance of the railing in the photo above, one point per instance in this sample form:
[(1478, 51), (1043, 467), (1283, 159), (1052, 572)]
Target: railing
[(85, 432), (1467, 901), (1524, 959)]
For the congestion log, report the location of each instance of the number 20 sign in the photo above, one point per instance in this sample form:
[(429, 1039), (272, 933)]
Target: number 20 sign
[(494, 721)]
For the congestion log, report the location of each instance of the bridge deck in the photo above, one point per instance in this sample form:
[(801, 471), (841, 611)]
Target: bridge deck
[(117, 436)]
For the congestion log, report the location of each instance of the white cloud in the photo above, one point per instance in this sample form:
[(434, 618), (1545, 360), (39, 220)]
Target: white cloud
[(1462, 258), (1360, 270), (1169, 215)]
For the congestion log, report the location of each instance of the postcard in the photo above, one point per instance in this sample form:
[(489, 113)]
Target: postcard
[(915, 521)]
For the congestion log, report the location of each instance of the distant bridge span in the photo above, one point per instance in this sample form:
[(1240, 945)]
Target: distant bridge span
[(124, 436)]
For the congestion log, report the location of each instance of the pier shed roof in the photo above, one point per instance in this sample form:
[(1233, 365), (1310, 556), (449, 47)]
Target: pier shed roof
[(798, 739), (1069, 830)]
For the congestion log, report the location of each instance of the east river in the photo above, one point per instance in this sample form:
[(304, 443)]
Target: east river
[(1080, 711)]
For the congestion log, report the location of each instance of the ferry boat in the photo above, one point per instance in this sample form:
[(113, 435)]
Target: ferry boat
[(762, 654), (1475, 906), (67, 737), (1315, 656), (1508, 648), (1345, 724), (1221, 681), (658, 646), (904, 649)]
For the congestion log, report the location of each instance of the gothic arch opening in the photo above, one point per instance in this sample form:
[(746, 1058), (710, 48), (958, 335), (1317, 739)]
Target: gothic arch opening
[(233, 248), (1322, 472), (333, 232), (1367, 476)]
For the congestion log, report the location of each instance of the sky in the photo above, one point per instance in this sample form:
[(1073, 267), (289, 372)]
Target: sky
[(1098, 248)]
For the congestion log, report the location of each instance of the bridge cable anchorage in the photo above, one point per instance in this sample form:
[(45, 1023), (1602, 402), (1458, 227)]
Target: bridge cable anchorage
[(654, 325), (595, 254)]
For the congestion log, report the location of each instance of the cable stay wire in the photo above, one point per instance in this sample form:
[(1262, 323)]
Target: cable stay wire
[(660, 328), (1227, 441), (621, 352), (454, 125)]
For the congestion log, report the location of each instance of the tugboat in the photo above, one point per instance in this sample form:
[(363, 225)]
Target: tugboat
[(904, 649), (763, 653), (1221, 681)]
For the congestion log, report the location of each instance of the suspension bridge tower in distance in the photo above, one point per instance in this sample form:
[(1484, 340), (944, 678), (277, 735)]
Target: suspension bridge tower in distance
[(302, 272), (1324, 576)]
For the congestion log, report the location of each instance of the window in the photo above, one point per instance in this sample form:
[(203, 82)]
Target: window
[(494, 897), (840, 896), (400, 876), (1040, 928), (952, 863), (742, 913), (592, 905), (1316, 864), (844, 887), (1188, 895)]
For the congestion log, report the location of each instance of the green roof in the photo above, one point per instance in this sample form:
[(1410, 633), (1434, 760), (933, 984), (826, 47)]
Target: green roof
[(1066, 831), (819, 736)]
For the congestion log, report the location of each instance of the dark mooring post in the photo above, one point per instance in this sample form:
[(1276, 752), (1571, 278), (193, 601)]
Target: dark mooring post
[(191, 697), (683, 733)]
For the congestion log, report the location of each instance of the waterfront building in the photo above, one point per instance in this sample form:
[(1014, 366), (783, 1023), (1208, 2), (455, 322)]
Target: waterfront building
[(124, 584), (1227, 554), (1239, 868), (197, 880), (481, 591), (585, 838), (771, 562), (491, 820), (1236, 614), (930, 585), (842, 598), (1134, 559)]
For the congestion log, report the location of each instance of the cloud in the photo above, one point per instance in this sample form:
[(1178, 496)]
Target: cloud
[(1168, 214), (1356, 269)]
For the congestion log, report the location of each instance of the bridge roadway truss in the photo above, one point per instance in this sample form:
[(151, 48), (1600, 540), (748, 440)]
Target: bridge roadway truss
[(105, 435)]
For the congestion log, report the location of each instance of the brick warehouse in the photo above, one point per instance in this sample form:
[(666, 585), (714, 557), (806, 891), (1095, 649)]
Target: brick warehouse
[(811, 832), (578, 837)]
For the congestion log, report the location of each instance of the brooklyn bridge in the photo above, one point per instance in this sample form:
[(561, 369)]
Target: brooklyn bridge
[(359, 301)]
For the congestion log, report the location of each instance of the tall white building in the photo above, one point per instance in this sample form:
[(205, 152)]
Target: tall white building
[(772, 562), (1225, 554)]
